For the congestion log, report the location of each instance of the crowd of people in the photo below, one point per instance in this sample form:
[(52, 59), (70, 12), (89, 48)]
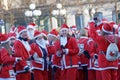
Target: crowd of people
[(91, 53)]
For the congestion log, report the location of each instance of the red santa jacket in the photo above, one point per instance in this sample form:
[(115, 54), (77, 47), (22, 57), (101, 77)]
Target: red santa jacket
[(56, 60), (103, 44), (93, 28), (39, 62), (7, 62), (21, 51), (83, 44), (93, 51), (70, 60)]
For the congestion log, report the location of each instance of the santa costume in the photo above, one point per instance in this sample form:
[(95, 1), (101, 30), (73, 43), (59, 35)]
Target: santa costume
[(69, 50), (6, 60), (42, 51), (22, 49), (108, 68)]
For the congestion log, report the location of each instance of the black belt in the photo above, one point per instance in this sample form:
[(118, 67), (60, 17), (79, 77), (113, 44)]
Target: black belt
[(3, 65)]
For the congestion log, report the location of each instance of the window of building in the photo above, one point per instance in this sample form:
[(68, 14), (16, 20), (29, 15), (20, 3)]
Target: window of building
[(79, 21)]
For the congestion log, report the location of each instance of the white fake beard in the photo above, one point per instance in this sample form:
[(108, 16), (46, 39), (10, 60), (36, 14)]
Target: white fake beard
[(41, 43), (30, 34), (63, 41), (46, 41)]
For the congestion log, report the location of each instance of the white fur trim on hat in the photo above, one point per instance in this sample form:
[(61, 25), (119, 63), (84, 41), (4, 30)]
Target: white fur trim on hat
[(30, 26), (4, 41), (22, 31), (64, 29), (43, 34), (109, 32), (12, 37), (38, 35), (52, 35)]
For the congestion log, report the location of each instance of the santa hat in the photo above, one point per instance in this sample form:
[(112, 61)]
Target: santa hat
[(64, 27), (74, 27), (107, 28), (54, 33), (13, 29), (112, 23), (21, 29), (31, 25), (37, 34), (11, 35), (4, 38), (44, 32)]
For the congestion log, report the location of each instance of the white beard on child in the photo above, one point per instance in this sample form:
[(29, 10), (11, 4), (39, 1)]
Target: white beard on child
[(30, 34), (63, 41), (41, 43)]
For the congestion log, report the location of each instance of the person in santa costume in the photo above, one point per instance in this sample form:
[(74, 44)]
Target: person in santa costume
[(30, 30), (68, 50), (12, 38), (87, 50), (45, 33), (73, 30), (6, 59), (108, 68), (94, 25), (53, 38), (22, 49), (42, 51)]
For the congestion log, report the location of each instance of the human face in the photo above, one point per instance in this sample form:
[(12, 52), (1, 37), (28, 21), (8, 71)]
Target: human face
[(30, 29), (24, 34), (51, 38), (64, 33), (11, 41)]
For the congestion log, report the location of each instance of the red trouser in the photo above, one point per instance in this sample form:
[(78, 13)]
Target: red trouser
[(50, 73), (91, 75), (69, 74), (110, 74), (98, 75), (57, 74), (24, 76), (118, 74), (40, 75), (80, 75)]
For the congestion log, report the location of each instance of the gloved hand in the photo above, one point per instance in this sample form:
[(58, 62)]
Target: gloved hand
[(17, 59), (58, 53), (31, 58), (26, 68), (65, 50), (96, 56), (87, 54), (54, 69)]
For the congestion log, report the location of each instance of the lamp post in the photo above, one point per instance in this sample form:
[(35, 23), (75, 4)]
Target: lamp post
[(34, 13), (59, 12)]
